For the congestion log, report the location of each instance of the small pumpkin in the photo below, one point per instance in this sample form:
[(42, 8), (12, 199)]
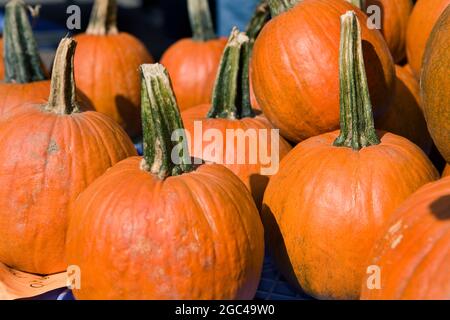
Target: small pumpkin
[(48, 154), (230, 113), (405, 116), (193, 62), (105, 67), (163, 228), (414, 252), (324, 209), (446, 171), (295, 58), (421, 23), (435, 84), (25, 77)]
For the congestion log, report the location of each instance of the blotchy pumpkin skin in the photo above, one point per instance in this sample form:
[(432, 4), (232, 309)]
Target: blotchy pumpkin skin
[(421, 23), (414, 253), (295, 68), (193, 236), (249, 173), (446, 171), (106, 72), (435, 85), (46, 161), (405, 116), (327, 205), (14, 96), (395, 16), (192, 66)]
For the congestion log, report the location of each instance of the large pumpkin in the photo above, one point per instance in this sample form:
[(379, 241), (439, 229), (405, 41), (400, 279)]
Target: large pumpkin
[(334, 192), (230, 118), (435, 84), (421, 23), (413, 255), (105, 67), (193, 62), (295, 71), (25, 77), (446, 171), (163, 228), (48, 155), (405, 117)]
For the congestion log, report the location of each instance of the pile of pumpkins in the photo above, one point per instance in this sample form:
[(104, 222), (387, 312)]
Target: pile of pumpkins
[(359, 111)]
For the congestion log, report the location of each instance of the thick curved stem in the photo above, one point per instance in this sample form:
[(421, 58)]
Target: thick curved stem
[(201, 22), (62, 98), (357, 125), (21, 55), (227, 94), (103, 19), (259, 19), (279, 6), (165, 145), (358, 3)]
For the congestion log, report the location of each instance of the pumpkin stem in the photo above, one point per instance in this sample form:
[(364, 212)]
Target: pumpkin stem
[(21, 55), (62, 98), (357, 125), (162, 125), (277, 7), (103, 20), (257, 22), (231, 95), (201, 22), (357, 3)]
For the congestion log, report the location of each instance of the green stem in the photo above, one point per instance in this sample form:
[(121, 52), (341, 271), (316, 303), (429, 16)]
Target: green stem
[(357, 3), (201, 22), (231, 96), (62, 98), (161, 120), (103, 20), (259, 19), (279, 6), (357, 125), (21, 55)]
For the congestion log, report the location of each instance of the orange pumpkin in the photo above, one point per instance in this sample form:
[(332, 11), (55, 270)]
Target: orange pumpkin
[(334, 192), (405, 117), (105, 67), (446, 171), (295, 58), (414, 252), (163, 228), (48, 155), (25, 77), (435, 84), (230, 118), (394, 18), (421, 23), (192, 63)]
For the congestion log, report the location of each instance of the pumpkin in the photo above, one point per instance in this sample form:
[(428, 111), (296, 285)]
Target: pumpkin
[(446, 171), (414, 252), (25, 77), (405, 117), (230, 118), (192, 62), (165, 229), (435, 85), (421, 22), (324, 209), (105, 67), (48, 155), (295, 58)]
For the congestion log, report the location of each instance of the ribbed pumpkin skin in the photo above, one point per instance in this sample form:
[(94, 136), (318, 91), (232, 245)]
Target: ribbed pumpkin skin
[(446, 171), (414, 253), (395, 16), (327, 205), (405, 117), (435, 85), (46, 160), (250, 174), (421, 23), (14, 96), (192, 66), (194, 236), (105, 71), (296, 56)]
